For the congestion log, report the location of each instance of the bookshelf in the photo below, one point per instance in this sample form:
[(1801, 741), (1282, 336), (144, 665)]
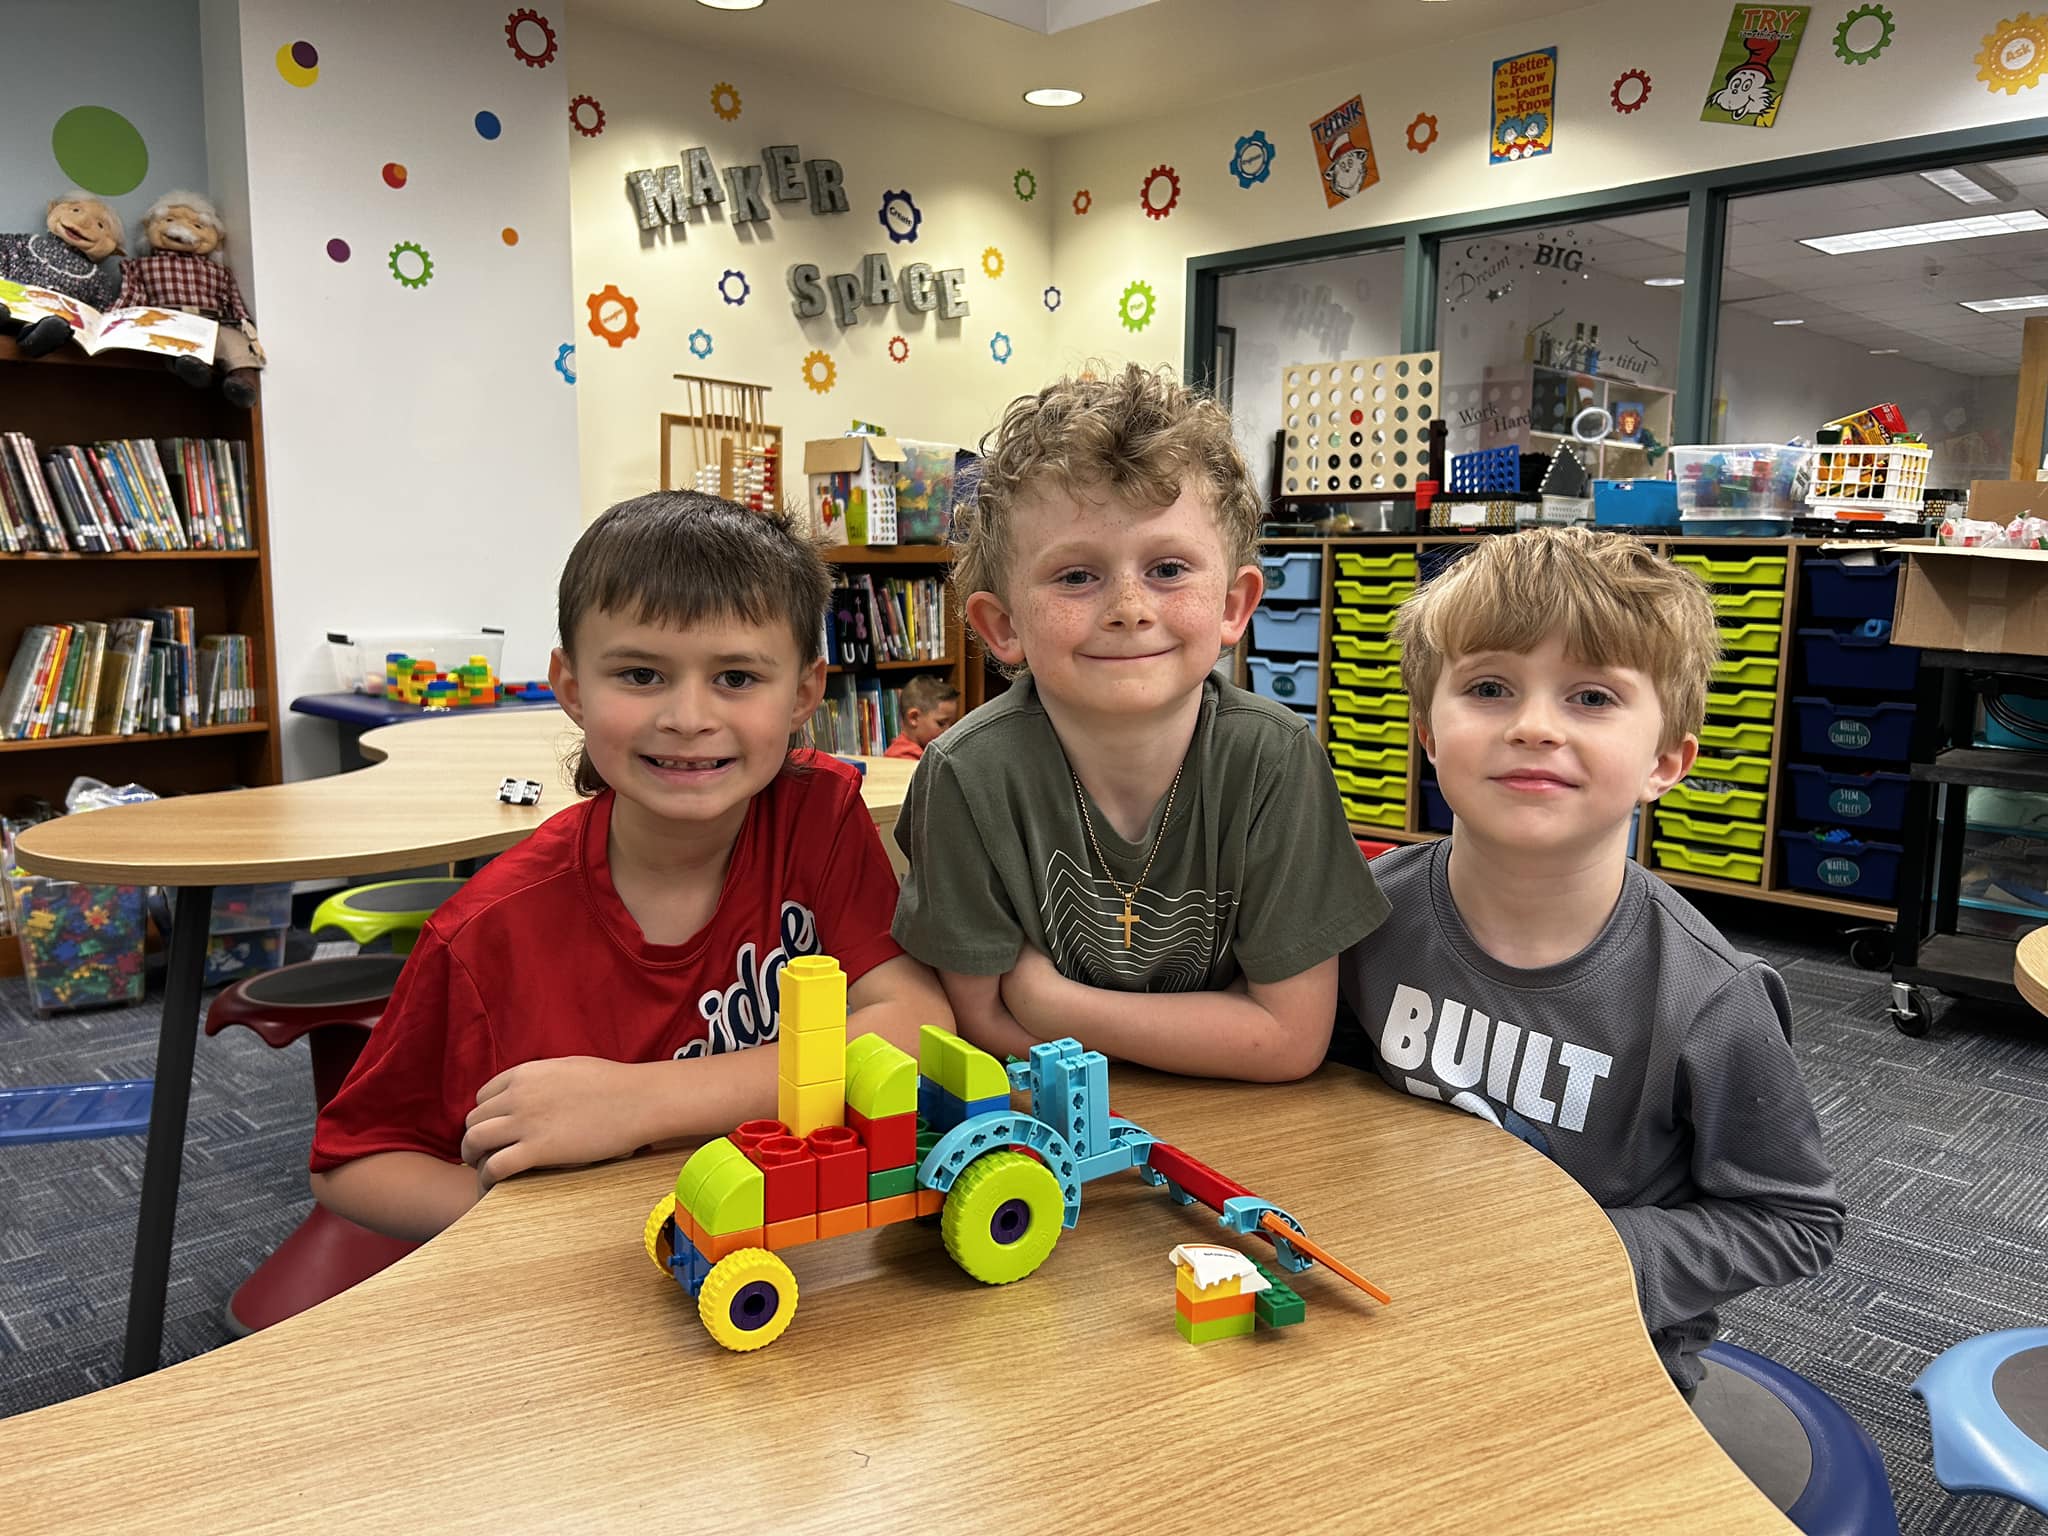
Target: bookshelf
[(69, 398), (962, 663)]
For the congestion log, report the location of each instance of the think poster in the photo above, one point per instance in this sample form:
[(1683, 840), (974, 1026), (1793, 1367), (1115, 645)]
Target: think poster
[(1755, 65), (1524, 107), (1344, 151)]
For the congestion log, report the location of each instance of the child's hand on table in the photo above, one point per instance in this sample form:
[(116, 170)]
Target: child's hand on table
[(561, 1112)]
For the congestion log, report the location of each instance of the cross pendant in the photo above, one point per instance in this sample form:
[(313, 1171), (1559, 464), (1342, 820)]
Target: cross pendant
[(1129, 922)]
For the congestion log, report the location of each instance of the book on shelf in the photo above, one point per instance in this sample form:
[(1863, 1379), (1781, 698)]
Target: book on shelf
[(857, 716), (885, 618), (173, 493), (147, 674), (138, 327)]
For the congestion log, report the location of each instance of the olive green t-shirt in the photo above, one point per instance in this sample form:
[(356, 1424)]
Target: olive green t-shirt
[(1257, 873)]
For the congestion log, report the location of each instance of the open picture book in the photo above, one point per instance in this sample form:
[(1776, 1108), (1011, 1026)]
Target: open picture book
[(170, 332)]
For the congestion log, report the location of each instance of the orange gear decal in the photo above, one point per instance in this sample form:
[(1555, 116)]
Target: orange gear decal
[(725, 101), (613, 316), (820, 372), (1083, 200), (1422, 133)]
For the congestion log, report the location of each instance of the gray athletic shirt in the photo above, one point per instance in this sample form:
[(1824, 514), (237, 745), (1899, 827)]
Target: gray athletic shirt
[(1653, 1067)]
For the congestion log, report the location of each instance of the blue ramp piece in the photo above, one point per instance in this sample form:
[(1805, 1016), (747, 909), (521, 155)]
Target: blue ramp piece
[(74, 1111)]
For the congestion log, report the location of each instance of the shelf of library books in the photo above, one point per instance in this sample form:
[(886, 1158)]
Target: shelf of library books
[(135, 609), (893, 616)]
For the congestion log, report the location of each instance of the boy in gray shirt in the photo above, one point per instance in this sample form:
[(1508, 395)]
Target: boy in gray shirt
[(1124, 847), (1534, 975)]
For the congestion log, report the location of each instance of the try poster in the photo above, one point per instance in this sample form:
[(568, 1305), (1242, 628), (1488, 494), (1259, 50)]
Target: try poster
[(1344, 151), (1755, 65), (1524, 107)]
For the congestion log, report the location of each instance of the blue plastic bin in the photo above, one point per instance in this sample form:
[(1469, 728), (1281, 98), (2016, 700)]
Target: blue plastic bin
[(1842, 659), (1860, 801), (1287, 631), (1836, 589), (1857, 870), (1285, 682), (1635, 503), (1293, 578), (1879, 732)]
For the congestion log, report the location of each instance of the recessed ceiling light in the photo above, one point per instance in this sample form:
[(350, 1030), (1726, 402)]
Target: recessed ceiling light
[(2019, 221), (731, 5), (2022, 301), (1884, 351), (1977, 185), (1663, 282), (1788, 322), (1054, 96)]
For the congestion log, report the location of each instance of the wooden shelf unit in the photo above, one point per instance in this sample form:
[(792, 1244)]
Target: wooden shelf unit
[(1772, 888), (962, 663), (69, 398)]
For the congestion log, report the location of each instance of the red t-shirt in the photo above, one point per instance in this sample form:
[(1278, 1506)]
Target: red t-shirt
[(537, 957), (903, 746)]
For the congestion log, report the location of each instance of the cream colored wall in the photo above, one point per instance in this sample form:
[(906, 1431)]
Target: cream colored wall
[(1924, 83), (656, 100)]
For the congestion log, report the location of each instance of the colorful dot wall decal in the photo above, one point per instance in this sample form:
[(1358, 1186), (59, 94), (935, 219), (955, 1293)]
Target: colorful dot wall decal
[(337, 249), (100, 150), (298, 64), (394, 174), (509, 235), (488, 125)]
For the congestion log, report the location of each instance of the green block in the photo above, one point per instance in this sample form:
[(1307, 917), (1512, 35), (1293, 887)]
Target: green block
[(1217, 1328), (880, 1080), (926, 1140), (963, 1070), (732, 1198), (700, 1163), (892, 1181), (1280, 1306)]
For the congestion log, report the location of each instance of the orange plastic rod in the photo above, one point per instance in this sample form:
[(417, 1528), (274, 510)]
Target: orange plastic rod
[(1337, 1266)]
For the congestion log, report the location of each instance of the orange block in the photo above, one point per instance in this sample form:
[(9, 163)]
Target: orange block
[(930, 1201), (895, 1208), (1209, 1311), (690, 1229), (788, 1234), (846, 1218), (716, 1248)]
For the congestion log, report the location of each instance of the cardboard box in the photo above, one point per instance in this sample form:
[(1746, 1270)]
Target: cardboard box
[(853, 488), (1986, 600)]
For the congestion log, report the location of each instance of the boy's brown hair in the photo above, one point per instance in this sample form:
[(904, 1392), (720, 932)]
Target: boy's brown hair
[(1138, 435), (681, 558), (1615, 602), (927, 691)]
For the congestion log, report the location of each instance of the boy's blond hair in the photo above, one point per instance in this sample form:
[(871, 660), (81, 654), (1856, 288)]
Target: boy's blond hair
[(1615, 602), (1138, 435)]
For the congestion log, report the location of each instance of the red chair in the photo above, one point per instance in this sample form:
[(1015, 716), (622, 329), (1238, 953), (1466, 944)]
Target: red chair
[(334, 1004)]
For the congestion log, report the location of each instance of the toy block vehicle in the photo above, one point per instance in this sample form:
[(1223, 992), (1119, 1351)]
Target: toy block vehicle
[(868, 1136)]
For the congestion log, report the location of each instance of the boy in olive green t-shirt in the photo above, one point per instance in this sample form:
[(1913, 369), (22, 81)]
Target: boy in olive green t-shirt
[(1124, 847)]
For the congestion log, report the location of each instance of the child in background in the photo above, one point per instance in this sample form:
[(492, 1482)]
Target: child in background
[(1124, 847), (594, 990), (930, 704), (1559, 680)]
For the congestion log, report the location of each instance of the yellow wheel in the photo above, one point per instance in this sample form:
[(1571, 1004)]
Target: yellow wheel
[(660, 1243), (748, 1299), (1002, 1217)]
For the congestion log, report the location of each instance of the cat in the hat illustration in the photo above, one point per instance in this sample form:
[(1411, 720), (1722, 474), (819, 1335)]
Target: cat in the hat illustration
[(1750, 86)]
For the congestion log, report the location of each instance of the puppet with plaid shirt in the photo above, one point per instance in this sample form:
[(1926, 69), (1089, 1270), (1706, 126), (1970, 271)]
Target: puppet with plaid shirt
[(184, 270)]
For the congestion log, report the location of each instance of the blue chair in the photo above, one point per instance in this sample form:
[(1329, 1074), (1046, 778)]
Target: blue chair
[(1835, 1485), (1987, 1404)]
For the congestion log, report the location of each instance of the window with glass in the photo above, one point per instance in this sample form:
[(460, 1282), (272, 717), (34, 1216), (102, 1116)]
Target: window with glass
[(1565, 335), (1904, 294)]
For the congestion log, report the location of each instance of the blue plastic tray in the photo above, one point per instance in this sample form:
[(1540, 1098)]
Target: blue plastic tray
[(74, 1111)]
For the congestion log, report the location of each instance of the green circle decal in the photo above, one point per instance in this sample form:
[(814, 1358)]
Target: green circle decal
[(100, 150)]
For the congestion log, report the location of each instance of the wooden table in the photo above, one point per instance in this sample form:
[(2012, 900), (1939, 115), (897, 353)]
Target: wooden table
[(530, 1369), (2030, 969), (430, 797)]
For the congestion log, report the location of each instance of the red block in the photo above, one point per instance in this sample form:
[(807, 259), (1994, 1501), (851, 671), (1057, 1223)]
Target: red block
[(750, 1134), (842, 1161), (891, 1141), (789, 1170)]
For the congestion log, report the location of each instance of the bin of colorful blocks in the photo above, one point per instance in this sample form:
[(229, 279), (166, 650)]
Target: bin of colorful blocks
[(247, 930), (81, 943)]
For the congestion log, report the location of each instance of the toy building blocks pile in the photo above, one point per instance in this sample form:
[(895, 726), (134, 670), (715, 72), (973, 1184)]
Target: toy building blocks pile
[(416, 680), (1218, 1293)]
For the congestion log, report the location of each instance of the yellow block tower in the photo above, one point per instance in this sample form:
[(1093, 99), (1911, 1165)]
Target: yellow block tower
[(810, 1049)]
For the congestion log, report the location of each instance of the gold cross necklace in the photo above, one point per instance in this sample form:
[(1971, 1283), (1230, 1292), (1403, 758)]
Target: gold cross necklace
[(1129, 919)]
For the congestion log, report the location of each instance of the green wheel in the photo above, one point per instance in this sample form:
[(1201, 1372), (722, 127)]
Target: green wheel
[(1002, 1217)]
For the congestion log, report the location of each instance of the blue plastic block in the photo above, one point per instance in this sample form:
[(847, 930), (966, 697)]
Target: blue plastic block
[(994, 1104), (688, 1265), (74, 1111), (940, 1110), (1490, 469)]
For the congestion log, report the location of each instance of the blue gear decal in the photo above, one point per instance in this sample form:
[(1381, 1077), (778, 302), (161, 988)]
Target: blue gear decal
[(700, 343), (733, 275), (565, 361), (1253, 162), (999, 347), (1052, 299), (900, 217)]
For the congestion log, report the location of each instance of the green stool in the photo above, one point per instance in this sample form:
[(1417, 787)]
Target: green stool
[(399, 908)]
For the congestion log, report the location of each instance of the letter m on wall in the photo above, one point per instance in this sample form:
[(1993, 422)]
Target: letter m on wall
[(658, 196)]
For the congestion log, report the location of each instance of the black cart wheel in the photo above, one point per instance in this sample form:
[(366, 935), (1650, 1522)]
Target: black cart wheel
[(1912, 1010), (1870, 949)]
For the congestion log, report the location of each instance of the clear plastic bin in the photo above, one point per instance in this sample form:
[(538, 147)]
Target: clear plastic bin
[(1737, 480), (81, 944), (359, 657), (246, 931)]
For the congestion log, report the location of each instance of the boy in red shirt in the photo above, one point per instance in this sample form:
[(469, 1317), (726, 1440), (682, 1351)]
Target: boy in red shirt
[(930, 704), (595, 989)]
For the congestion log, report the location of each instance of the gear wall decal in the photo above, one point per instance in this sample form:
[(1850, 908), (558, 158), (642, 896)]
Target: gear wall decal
[(899, 217), (1422, 133), (2014, 54), (613, 316), (1887, 28), (586, 116), (1025, 185), (1630, 90), (820, 372), (1135, 309), (725, 101), (531, 57), (1253, 161), (418, 279), (1159, 195)]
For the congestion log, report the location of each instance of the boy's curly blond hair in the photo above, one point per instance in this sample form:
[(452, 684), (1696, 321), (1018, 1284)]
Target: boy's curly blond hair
[(1138, 435), (1615, 601)]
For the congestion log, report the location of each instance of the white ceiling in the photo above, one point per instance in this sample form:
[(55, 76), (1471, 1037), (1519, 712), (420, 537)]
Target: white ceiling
[(1164, 57)]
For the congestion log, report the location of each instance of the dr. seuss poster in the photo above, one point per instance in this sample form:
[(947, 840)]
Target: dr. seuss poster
[(1755, 65), (1344, 151), (1524, 106)]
